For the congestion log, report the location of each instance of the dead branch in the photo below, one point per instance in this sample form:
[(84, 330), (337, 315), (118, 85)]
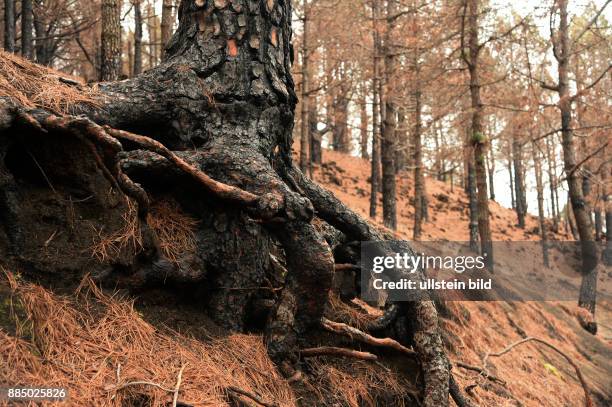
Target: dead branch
[(354, 333), (333, 351), (479, 370), (587, 398), (252, 396), (178, 385)]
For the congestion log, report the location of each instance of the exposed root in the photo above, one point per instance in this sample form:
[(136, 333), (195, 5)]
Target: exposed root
[(355, 333), (333, 351)]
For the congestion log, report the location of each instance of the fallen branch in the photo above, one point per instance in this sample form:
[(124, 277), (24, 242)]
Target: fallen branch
[(252, 396), (340, 328), (178, 386), (333, 351), (587, 398), (479, 370)]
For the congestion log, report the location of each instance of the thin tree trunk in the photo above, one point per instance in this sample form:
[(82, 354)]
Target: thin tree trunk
[(390, 126), (491, 170), (315, 136), (473, 200), (540, 192), (363, 124), (304, 130), (478, 138), (375, 163), (9, 25), (511, 177), (519, 182), (167, 19), (27, 17), (402, 142), (552, 182), (419, 178), (137, 38), (110, 67), (588, 288)]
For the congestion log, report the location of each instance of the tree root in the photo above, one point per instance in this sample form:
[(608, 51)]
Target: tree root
[(334, 351), (344, 329), (251, 396)]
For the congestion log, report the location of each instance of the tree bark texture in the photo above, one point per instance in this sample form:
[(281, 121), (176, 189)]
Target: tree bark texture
[(27, 42), (110, 67), (304, 128), (388, 144), (478, 138), (167, 21), (9, 25), (588, 288), (519, 182), (137, 37)]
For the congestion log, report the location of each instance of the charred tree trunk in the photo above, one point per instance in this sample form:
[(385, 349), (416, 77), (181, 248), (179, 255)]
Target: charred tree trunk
[(552, 183), (537, 157), (511, 177), (363, 125), (315, 136), (479, 140), (588, 288), (27, 42), (375, 173), (473, 205), (519, 182), (388, 144), (491, 171), (137, 69), (402, 141), (419, 176), (110, 67), (9, 25), (304, 129)]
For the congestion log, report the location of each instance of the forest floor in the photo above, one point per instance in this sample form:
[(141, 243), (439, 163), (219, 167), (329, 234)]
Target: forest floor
[(98, 343)]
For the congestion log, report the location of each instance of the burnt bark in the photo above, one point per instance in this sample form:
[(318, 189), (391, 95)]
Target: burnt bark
[(375, 172), (9, 25), (537, 157), (137, 68), (588, 288), (389, 137), (27, 42), (519, 181)]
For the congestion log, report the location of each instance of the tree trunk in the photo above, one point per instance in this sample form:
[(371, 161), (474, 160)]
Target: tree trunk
[(588, 288), (9, 25), (137, 37), (419, 177), (390, 125), (363, 124), (375, 173), (491, 170), (519, 181), (27, 45), (167, 21), (537, 157), (402, 141), (473, 205), (552, 182), (478, 138), (110, 67), (511, 177), (304, 130), (315, 136)]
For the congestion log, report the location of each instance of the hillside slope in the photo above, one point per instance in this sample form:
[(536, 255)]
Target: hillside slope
[(534, 376)]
